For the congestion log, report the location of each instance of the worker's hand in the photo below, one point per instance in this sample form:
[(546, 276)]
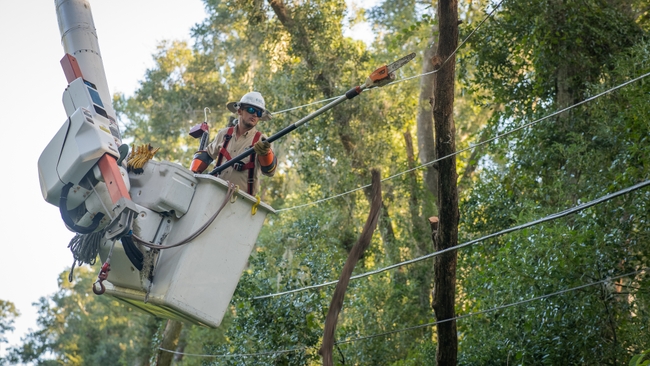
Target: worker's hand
[(262, 147)]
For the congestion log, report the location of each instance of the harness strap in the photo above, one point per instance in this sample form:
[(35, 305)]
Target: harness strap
[(250, 166), (223, 152), (226, 141)]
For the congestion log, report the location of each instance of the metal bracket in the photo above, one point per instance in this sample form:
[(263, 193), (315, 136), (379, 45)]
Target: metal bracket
[(124, 212)]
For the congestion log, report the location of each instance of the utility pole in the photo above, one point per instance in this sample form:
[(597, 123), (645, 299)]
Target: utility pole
[(446, 235)]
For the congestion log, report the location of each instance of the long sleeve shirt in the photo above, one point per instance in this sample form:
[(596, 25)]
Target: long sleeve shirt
[(235, 147)]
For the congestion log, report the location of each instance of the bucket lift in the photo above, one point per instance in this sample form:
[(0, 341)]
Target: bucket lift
[(173, 252), (192, 282), (80, 172)]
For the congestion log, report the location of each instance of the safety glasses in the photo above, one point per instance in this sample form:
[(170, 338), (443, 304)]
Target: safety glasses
[(253, 110)]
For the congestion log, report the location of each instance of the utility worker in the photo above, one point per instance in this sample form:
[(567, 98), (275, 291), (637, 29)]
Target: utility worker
[(232, 141)]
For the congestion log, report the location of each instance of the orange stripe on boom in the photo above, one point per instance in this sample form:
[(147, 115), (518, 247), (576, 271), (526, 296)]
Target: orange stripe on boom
[(113, 178), (71, 68)]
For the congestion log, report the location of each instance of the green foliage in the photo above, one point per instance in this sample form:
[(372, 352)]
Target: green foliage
[(79, 328), (513, 68), (8, 313), (405, 21), (575, 157), (170, 101), (532, 59), (640, 360)]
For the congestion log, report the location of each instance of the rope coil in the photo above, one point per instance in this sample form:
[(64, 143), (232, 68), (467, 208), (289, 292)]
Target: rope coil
[(140, 156), (84, 248)]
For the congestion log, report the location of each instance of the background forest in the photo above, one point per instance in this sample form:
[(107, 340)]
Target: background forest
[(551, 112)]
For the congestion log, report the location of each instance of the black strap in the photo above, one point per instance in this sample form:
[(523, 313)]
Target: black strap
[(65, 215), (251, 176), (251, 171)]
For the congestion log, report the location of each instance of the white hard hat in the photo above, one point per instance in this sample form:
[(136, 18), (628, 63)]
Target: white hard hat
[(253, 98)]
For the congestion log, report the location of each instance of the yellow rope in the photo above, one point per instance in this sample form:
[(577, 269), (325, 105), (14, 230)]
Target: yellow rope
[(139, 157)]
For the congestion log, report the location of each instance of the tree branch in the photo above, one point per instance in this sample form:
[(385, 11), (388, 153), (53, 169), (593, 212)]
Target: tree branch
[(341, 287)]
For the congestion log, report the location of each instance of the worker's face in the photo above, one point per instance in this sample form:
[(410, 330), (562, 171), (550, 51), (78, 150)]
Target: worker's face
[(248, 120)]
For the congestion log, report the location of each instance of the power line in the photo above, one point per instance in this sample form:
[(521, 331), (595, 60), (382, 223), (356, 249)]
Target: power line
[(267, 353), (410, 77), (471, 242), (494, 308), (306, 105), (350, 340), (457, 48), (473, 146)]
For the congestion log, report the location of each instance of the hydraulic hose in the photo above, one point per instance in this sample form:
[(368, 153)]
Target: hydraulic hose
[(65, 215)]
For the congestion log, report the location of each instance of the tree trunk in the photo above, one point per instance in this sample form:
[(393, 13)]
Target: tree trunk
[(170, 340), (302, 45), (419, 229), (387, 234), (424, 120), (444, 283)]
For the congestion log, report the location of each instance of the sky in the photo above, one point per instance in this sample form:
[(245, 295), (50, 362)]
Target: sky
[(34, 249)]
